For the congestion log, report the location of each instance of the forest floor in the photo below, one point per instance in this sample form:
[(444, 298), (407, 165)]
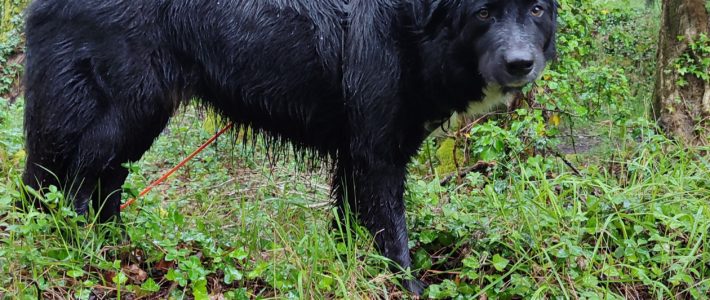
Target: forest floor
[(606, 209)]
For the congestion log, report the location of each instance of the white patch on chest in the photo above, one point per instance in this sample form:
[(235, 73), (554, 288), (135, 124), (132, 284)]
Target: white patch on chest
[(493, 97)]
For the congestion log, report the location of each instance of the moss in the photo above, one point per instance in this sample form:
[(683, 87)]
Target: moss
[(445, 155)]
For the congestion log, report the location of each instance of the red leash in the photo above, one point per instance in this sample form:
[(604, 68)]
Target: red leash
[(182, 163)]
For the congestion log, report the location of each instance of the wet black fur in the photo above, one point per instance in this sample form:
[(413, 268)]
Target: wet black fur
[(354, 80)]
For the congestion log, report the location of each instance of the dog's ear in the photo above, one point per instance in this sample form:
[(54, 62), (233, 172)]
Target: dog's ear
[(418, 13), (427, 13)]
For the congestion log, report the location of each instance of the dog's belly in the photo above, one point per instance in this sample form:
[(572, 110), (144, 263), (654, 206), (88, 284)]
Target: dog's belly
[(273, 69), (319, 124)]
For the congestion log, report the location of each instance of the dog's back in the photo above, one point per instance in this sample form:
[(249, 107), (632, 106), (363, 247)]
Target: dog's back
[(104, 77)]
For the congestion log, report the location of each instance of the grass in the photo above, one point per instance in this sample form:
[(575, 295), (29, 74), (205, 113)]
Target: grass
[(235, 224)]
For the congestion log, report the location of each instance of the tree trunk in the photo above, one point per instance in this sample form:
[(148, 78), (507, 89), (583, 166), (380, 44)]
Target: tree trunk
[(682, 111)]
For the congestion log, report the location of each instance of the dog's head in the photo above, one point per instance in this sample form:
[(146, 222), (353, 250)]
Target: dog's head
[(513, 39), (504, 42)]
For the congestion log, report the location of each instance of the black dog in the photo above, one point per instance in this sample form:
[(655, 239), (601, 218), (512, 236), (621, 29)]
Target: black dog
[(359, 81)]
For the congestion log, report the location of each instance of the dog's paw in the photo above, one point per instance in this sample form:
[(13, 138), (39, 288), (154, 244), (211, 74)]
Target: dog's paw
[(414, 286)]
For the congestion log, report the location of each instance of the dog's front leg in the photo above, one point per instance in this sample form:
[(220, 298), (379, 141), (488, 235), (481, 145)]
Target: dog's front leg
[(374, 191)]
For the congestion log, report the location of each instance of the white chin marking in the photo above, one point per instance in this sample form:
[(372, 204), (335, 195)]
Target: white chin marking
[(493, 97)]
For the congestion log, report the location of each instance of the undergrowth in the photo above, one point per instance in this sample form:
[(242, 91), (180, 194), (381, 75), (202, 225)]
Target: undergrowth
[(572, 194)]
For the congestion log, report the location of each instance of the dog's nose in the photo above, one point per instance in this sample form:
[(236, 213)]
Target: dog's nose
[(519, 63)]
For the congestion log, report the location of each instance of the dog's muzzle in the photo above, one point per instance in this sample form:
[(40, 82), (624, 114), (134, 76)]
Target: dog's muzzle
[(518, 63), (513, 68)]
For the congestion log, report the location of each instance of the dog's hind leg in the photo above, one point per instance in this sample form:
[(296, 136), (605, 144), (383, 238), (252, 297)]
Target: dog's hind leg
[(60, 107), (79, 134), (107, 198), (131, 126), (76, 168), (40, 174), (119, 136)]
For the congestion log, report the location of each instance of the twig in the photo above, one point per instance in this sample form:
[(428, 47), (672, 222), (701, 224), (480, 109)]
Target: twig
[(453, 155), (478, 167), (320, 204), (569, 164)]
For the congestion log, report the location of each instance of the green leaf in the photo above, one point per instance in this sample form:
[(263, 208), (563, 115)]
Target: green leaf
[(445, 290), (176, 255), (150, 286), (590, 281), (681, 278), (231, 274), (422, 259), (488, 154), (326, 283), (611, 271), (194, 268), (239, 294), (260, 268), (499, 262), (239, 254), (120, 278), (199, 290), (83, 294), (427, 236), (561, 253), (176, 276), (75, 273), (471, 263), (171, 275)]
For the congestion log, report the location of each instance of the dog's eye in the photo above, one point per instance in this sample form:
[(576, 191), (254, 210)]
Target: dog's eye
[(483, 14), (537, 11)]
